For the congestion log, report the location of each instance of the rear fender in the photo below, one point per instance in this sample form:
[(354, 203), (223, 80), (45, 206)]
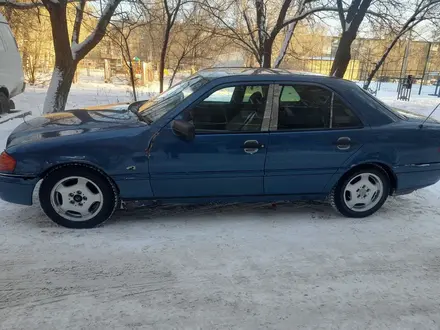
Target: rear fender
[(363, 157)]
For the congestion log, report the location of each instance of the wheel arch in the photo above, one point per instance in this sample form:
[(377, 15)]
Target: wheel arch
[(377, 165), (90, 166)]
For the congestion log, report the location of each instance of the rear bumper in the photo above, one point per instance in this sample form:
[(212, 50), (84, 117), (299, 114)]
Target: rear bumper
[(17, 189), (417, 178)]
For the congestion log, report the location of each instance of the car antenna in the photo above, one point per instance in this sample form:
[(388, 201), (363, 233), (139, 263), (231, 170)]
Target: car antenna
[(421, 125)]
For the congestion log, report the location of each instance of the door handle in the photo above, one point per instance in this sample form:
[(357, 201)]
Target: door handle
[(252, 146), (343, 143)]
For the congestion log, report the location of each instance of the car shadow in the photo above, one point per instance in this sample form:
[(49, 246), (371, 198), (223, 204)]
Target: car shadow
[(279, 212), (223, 211)]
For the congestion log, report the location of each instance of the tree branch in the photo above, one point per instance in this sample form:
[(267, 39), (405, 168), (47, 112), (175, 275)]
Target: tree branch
[(307, 13), (281, 16), (82, 49), (78, 21), (249, 28)]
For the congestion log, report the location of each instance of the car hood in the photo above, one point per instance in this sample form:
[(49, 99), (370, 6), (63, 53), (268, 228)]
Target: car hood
[(73, 122)]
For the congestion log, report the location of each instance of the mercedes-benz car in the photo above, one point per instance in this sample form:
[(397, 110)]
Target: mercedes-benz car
[(222, 135)]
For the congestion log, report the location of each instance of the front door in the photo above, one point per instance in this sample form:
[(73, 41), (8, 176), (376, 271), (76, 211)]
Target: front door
[(312, 134), (227, 155)]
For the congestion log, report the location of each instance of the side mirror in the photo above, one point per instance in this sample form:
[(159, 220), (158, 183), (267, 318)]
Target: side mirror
[(184, 129)]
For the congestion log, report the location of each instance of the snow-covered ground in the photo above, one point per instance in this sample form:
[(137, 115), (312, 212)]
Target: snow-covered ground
[(296, 266)]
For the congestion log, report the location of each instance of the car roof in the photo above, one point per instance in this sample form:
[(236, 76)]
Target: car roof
[(2, 19), (266, 74)]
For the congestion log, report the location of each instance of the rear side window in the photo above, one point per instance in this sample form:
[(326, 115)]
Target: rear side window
[(313, 107)]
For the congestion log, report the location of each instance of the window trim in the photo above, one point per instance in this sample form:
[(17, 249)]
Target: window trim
[(267, 110), (273, 127)]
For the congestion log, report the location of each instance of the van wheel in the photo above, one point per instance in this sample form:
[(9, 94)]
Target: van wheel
[(4, 103)]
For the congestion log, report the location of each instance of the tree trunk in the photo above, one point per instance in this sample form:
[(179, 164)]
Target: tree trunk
[(133, 82), (267, 53), (163, 55), (59, 88), (350, 26), (380, 62), (170, 84), (65, 66), (343, 54), (66, 58), (285, 45), (130, 67)]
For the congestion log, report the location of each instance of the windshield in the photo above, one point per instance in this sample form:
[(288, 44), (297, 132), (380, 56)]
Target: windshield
[(161, 104), (378, 104)]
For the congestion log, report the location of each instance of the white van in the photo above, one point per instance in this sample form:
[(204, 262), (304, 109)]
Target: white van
[(11, 72)]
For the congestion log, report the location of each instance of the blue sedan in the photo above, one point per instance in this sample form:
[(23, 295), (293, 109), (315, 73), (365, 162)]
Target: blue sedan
[(222, 135)]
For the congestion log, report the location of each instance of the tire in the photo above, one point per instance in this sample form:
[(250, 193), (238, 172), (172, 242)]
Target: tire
[(4, 103), (341, 195), (78, 197)]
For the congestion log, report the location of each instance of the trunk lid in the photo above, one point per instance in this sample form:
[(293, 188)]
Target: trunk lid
[(414, 117)]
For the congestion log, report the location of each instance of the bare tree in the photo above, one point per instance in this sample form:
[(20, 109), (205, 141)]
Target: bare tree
[(290, 30), (194, 41), (423, 10), (171, 10), (259, 31), (121, 30), (68, 53), (351, 19)]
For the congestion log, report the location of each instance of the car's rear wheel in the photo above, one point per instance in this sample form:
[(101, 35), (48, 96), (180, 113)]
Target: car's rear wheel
[(361, 193), (77, 197), (4, 103)]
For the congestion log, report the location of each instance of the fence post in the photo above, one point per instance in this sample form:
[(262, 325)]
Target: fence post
[(144, 74)]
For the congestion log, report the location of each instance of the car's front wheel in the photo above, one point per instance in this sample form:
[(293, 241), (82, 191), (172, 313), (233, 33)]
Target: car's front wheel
[(77, 197), (361, 193)]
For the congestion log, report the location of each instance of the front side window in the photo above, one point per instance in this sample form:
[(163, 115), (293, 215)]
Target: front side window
[(229, 109), (313, 107)]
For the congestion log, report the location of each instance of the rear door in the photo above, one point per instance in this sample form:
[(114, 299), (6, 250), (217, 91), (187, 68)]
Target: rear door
[(312, 133), (227, 155)]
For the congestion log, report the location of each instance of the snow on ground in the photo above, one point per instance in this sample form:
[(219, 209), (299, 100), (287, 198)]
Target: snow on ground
[(299, 266)]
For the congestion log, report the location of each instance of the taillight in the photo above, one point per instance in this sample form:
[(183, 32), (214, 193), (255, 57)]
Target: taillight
[(7, 162)]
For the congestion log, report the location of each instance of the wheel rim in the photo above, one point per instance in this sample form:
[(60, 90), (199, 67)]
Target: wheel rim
[(363, 192), (76, 198)]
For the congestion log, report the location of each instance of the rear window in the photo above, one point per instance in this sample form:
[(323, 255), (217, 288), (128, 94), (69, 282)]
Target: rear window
[(379, 105)]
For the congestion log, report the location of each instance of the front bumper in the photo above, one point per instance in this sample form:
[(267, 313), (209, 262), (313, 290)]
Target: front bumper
[(17, 189)]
